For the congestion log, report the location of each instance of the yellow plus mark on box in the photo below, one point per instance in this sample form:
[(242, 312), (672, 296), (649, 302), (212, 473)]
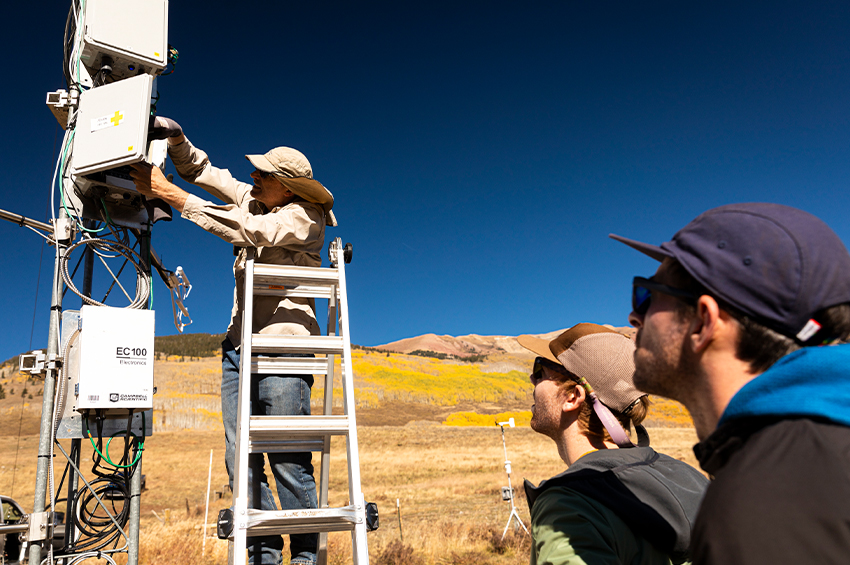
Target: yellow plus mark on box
[(116, 119)]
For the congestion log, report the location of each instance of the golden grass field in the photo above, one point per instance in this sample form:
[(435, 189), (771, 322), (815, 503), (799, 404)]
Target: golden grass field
[(446, 478)]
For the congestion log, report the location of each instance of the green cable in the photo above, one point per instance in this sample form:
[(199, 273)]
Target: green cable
[(141, 444), (105, 211)]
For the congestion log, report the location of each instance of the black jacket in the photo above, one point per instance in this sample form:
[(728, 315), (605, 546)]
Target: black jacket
[(781, 493), (781, 460)]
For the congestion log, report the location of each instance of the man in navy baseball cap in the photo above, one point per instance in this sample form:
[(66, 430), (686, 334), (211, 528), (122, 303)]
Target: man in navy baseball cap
[(745, 322)]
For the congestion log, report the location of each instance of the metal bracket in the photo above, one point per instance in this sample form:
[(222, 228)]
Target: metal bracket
[(38, 522), (63, 229)]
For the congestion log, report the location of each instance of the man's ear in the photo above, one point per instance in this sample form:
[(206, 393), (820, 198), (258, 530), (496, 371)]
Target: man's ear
[(705, 323), (573, 398)]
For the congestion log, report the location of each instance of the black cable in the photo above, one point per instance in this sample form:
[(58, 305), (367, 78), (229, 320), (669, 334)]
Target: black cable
[(97, 529)]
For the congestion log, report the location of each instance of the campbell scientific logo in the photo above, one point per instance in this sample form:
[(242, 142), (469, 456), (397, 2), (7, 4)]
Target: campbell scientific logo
[(115, 397)]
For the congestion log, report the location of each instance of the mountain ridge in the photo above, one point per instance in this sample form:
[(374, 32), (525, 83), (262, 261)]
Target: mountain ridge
[(474, 344)]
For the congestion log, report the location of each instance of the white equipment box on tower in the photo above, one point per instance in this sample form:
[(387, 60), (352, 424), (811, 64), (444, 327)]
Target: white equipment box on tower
[(112, 125), (131, 34), (116, 358)]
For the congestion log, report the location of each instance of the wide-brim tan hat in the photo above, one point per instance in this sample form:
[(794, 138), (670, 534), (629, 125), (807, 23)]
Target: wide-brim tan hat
[(601, 355), (294, 172)]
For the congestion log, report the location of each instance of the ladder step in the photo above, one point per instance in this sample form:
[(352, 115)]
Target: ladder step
[(274, 428), (305, 521), (266, 274), (326, 344), (303, 445), (299, 291), (293, 434), (289, 366)]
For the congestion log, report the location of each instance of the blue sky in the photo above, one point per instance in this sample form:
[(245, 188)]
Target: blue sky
[(479, 152)]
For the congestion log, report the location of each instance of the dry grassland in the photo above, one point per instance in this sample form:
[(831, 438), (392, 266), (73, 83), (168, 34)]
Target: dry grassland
[(446, 479)]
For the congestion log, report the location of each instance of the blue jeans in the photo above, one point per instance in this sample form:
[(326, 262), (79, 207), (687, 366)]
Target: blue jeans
[(293, 472)]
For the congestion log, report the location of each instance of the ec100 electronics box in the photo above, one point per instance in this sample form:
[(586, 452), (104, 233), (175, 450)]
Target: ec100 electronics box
[(116, 358)]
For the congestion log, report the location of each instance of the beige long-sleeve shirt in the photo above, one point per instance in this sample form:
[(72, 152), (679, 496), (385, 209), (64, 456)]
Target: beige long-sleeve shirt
[(288, 235)]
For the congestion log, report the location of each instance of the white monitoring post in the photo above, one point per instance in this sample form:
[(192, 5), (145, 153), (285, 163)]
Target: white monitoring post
[(508, 492)]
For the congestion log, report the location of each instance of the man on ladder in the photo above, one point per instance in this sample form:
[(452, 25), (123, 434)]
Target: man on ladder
[(283, 216)]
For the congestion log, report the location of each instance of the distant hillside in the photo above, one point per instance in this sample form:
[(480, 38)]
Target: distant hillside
[(189, 345), (473, 344), (391, 389)]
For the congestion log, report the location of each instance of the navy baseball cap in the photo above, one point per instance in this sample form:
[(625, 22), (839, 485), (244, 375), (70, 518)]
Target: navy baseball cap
[(776, 264)]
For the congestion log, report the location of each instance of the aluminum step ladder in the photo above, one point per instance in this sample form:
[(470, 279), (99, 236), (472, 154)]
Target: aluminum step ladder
[(265, 434)]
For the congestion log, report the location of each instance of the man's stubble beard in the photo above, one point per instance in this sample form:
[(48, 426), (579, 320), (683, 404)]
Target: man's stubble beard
[(663, 368)]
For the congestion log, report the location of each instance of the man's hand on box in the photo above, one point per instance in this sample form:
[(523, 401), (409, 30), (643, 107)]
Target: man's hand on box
[(152, 183)]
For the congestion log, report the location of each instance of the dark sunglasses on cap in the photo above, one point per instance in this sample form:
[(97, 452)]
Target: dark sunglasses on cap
[(642, 290)]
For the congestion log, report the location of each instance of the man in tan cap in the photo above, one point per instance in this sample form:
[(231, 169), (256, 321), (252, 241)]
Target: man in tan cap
[(283, 216), (617, 502)]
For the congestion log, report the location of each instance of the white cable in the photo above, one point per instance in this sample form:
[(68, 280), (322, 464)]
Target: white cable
[(177, 281), (74, 60), (142, 281)]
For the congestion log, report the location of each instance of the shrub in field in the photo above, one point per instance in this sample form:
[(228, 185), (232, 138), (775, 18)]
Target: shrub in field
[(465, 558), (514, 542), (397, 553)]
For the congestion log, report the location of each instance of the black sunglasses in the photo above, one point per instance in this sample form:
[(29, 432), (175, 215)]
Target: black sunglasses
[(264, 174), (642, 293), (537, 373)]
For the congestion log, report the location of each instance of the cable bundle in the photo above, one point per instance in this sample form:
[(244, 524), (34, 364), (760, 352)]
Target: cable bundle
[(142, 279)]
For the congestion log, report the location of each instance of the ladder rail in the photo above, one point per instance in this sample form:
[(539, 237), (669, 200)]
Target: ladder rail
[(361, 554), (240, 478), (324, 472)]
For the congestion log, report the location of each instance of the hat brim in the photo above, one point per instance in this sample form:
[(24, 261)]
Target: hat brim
[(538, 346), (653, 251), (261, 163), (307, 188)]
